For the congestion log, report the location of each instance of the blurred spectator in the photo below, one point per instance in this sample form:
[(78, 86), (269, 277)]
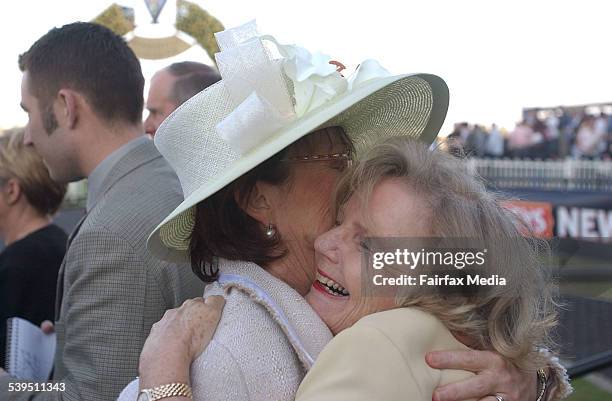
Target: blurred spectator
[(494, 146), (554, 133), (34, 247), (173, 86), (552, 127), (565, 133), (539, 131), (590, 139), (455, 140), (475, 142), (464, 132), (530, 117), (601, 124), (520, 139)]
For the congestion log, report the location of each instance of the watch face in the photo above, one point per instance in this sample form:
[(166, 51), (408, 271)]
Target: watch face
[(143, 396)]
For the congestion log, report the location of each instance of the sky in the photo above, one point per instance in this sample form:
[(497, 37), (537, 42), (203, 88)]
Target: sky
[(496, 56)]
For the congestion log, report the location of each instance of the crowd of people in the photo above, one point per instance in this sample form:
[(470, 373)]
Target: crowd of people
[(559, 134), (263, 180)]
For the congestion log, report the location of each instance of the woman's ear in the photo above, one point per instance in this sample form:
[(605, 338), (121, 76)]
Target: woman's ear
[(259, 203), (11, 191)]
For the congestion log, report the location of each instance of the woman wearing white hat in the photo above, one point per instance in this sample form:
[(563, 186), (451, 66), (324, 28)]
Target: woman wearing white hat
[(257, 193)]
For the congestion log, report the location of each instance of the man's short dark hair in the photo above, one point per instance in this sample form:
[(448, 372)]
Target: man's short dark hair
[(191, 78), (91, 59)]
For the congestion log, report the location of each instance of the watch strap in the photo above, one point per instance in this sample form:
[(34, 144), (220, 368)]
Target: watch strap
[(168, 390)]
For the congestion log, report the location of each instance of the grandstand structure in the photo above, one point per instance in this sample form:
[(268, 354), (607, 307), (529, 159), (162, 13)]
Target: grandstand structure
[(590, 108)]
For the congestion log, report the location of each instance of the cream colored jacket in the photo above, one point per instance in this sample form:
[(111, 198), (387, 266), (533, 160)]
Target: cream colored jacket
[(382, 357)]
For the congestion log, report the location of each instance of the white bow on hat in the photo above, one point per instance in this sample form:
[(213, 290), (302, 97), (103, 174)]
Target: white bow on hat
[(264, 100)]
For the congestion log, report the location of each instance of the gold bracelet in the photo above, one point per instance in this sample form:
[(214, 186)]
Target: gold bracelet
[(542, 381), (165, 391)]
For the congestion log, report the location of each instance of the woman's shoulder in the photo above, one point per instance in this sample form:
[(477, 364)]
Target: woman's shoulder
[(248, 327), (42, 243), (243, 312), (44, 248), (382, 356), (410, 329), (409, 333), (247, 345), (398, 317)]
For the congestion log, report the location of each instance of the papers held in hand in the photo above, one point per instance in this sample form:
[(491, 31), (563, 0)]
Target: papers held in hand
[(29, 351)]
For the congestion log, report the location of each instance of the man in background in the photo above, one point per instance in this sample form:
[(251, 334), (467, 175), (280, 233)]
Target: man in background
[(173, 86), (82, 89)]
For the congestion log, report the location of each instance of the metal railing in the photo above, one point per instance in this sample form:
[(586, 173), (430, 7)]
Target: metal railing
[(590, 364), (564, 175)]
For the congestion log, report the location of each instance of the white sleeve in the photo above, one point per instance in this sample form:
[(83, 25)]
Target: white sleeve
[(130, 392)]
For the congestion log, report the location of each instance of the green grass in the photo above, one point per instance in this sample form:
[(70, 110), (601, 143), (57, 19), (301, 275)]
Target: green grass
[(585, 391)]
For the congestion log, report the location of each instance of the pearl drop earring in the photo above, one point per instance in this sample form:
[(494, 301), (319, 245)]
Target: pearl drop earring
[(271, 231)]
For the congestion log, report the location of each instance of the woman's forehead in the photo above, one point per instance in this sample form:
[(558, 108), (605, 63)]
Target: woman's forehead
[(328, 139)]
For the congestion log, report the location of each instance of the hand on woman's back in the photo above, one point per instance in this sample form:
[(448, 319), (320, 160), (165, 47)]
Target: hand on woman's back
[(178, 339)]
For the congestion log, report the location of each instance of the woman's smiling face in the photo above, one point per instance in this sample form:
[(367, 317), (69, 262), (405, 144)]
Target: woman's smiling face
[(337, 295)]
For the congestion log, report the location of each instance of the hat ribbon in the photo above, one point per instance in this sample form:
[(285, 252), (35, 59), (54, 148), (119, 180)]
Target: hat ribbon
[(268, 94)]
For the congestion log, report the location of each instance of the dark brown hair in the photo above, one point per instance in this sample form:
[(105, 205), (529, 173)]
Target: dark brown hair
[(92, 60), (223, 229)]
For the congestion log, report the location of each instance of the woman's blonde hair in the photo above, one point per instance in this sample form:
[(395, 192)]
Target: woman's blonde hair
[(513, 320), (25, 165)]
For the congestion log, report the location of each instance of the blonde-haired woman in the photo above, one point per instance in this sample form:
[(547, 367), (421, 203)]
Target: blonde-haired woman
[(34, 247), (402, 190)]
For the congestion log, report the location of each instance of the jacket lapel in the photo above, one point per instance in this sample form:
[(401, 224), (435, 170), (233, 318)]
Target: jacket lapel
[(60, 276), (303, 328)]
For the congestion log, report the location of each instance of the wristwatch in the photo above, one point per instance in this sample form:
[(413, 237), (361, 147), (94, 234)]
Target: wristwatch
[(165, 391)]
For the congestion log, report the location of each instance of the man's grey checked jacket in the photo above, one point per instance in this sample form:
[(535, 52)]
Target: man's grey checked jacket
[(111, 290)]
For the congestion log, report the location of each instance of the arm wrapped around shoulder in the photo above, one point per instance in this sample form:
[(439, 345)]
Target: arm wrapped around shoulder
[(362, 363)]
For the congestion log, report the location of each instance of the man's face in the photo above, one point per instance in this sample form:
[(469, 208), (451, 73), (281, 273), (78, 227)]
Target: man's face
[(51, 141), (158, 102)]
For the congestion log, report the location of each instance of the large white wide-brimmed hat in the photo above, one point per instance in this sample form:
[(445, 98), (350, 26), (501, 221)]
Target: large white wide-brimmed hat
[(270, 96)]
